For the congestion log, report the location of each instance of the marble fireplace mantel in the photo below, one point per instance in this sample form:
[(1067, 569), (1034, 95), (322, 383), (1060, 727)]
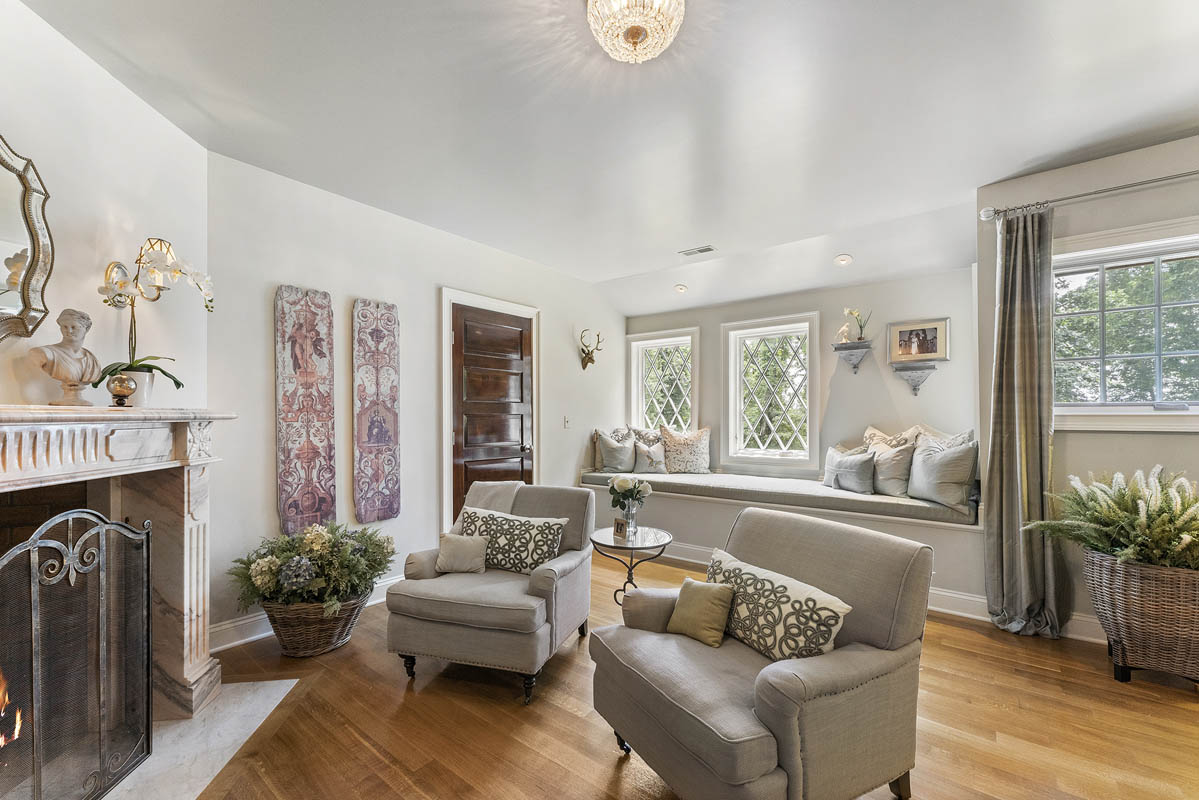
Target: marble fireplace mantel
[(138, 464)]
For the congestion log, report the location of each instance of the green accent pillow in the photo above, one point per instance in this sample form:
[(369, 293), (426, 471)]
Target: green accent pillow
[(702, 611)]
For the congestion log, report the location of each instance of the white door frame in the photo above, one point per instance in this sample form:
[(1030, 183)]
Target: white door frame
[(449, 297)]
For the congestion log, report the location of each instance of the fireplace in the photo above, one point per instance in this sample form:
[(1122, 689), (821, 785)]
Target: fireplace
[(75, 679)]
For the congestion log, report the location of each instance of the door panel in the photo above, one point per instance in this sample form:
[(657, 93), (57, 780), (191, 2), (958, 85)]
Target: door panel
[(485, 385), (493, 398)]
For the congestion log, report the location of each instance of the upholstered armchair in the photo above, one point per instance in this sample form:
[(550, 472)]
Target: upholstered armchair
[(727, 723), (499, 619)]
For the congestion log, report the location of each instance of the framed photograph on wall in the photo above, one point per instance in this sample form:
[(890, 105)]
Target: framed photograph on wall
[(918, 340)]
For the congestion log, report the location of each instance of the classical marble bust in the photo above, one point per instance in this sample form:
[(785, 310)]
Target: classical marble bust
[(68, 362)]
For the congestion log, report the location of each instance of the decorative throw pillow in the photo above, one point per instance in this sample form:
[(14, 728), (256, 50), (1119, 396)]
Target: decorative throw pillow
[(462, 554), (892, 460), (943, 474), (686, 452), (617, 434), (517, 544), (849, 470), (650, 458), (616, 456), (701, 611), (777, 615), (647, 436)]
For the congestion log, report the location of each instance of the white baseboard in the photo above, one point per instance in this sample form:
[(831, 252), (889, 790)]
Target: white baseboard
[(241, 630), (1084, 627)]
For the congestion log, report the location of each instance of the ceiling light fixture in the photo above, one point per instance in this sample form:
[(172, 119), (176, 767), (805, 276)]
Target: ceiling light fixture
[(635, 30), (843, 260), (680, 287)]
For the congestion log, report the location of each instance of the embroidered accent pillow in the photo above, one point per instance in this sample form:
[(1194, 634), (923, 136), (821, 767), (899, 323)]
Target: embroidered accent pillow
[(616, 456), (646, 436), (688, 451), (650, 459), (777, 615), (517, 544)]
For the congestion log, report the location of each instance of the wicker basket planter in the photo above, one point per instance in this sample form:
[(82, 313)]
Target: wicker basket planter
[(303, 629), (1150, 614)]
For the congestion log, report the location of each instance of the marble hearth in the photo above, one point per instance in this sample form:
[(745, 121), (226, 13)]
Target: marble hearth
[(137, 464)]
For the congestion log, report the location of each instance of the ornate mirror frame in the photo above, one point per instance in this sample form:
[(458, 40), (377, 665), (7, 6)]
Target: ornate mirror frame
[(41, 245)]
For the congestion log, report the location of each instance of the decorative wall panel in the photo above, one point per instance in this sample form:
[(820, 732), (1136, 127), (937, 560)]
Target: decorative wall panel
[(304, 438), (376, 411)]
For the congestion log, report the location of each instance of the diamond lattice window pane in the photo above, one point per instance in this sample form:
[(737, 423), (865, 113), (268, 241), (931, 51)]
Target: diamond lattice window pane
[(774, 393), (666, 386)]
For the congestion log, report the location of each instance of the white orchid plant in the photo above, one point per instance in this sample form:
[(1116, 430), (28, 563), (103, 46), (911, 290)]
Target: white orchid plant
[(156, 264), (1150, 519), (856, 315), (628, 493)]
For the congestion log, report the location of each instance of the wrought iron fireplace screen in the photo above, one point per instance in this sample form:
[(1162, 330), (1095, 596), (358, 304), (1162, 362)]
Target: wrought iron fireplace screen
[(74, 658)]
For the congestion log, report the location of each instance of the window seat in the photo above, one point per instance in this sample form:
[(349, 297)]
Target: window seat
[(798, 492)]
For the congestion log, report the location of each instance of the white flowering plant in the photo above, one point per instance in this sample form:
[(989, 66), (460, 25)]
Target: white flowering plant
[(627, 492), (856, 315), (324, 564), (1151, 519)]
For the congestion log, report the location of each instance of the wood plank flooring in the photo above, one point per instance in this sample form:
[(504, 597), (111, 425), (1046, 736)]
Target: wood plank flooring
[(1001, 718)]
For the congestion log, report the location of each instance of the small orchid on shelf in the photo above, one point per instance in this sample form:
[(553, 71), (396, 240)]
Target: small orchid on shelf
[(156, 262), (856, 315)]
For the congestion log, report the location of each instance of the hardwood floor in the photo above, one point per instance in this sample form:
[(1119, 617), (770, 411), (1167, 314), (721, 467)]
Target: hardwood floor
[(1001, 718)]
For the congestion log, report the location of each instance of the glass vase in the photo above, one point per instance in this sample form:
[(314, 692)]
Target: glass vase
[(630, 516)]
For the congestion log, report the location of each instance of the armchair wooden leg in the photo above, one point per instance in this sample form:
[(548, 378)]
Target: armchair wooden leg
[(622, 744), (530, 682), (901, 787), (583, 630), (410, 665)]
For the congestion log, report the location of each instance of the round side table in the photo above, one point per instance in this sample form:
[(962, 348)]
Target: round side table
[(629, 551)]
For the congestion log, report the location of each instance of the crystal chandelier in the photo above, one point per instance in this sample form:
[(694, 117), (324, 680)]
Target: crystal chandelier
[(635, 30)]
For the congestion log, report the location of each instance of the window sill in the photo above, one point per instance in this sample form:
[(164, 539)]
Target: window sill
[(770, 466), (1125, 419)]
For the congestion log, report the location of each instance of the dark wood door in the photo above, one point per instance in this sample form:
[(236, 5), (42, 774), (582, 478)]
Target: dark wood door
[(493, 398)]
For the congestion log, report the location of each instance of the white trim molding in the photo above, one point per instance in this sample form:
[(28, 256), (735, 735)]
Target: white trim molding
[(251, 627), (635, 342), (1115, 419), (1166, 232), (449, 297), (780, 465)]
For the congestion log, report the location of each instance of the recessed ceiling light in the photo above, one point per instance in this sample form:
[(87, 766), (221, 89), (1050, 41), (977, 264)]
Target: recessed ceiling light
[(843, 260), (680, 287)]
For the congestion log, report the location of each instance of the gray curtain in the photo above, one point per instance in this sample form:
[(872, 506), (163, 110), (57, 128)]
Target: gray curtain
[(1022, 586)]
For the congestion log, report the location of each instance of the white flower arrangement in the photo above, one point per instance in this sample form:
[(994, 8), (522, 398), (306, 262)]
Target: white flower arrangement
[(856, 315), (627, 492)]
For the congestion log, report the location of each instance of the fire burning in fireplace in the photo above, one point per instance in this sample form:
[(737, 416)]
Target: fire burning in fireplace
[(10, 723)]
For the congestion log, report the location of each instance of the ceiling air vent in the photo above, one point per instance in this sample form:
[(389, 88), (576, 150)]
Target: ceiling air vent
[(695, 251)]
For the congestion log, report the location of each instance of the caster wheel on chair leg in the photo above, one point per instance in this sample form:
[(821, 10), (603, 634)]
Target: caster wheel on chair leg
[(622, 744)]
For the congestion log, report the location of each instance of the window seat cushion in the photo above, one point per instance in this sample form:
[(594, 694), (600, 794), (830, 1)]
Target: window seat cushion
[(798, 492)]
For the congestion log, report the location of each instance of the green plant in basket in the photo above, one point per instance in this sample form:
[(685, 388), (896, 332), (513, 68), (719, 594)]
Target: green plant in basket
[(1148, 520), (325, 564)]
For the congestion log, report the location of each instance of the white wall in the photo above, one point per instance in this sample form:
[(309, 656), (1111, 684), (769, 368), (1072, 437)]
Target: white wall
[(117, 172), (1080, 452), (265, 230), (874, 396)]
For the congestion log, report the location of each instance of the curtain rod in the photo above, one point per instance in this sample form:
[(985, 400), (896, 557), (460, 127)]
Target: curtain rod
[(990, 213)]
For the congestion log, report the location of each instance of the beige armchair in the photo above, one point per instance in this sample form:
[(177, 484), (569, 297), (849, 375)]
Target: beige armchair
[(726, 723), (499, 619)]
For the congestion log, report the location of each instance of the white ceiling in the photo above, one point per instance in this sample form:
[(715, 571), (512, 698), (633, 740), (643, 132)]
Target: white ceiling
[(781, 131)]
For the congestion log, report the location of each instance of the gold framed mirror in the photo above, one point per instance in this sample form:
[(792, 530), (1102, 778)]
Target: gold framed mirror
[(26, 248)]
